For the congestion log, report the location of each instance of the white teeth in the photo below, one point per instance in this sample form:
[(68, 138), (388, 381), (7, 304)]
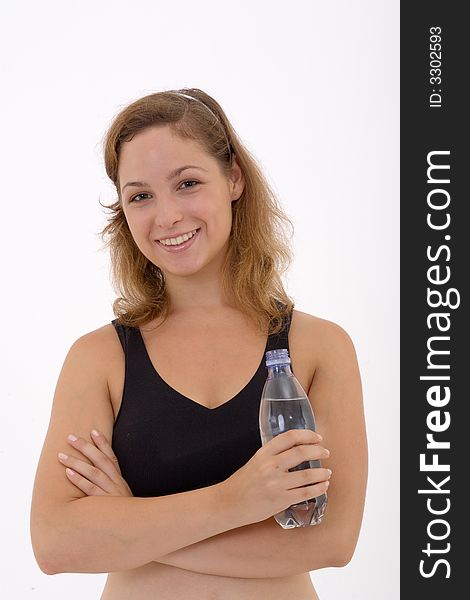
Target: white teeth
[(178, 240)]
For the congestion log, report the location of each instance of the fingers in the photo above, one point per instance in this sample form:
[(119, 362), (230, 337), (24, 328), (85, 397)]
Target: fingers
[(86, 476), (308, 484), (308, 492), (99, 456), (299, 454), (308, 477), (103, 476), (293, 437), (105, 447), (89, 488)]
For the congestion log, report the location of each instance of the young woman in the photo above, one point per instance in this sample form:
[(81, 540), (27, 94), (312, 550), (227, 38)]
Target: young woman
[(153, 469)]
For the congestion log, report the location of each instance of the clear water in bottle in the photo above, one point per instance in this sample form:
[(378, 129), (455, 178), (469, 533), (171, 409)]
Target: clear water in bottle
[(285, 405)]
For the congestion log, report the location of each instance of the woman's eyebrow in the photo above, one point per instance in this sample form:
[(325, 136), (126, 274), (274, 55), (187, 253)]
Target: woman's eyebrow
[(173, 174)]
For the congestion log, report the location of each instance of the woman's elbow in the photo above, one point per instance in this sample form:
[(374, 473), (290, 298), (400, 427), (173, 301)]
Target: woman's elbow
[(46, 566), (50, 562), (342, 558), (343, 552), (46, 547), (44, 558)]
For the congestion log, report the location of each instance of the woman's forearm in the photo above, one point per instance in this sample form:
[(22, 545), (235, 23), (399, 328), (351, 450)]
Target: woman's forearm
[(259, 550), (99, 534)]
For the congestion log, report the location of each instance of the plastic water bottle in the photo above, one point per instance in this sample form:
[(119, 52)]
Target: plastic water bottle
[(285, 405)]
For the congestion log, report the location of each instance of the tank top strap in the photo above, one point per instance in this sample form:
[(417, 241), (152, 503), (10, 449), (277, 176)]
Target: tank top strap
[(123, 333), (280, 340), (137, 360)]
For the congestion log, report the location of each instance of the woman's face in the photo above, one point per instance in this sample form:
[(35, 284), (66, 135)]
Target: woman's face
[(168, 202)]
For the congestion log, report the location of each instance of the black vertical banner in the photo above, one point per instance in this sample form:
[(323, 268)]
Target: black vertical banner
[(435, 343)]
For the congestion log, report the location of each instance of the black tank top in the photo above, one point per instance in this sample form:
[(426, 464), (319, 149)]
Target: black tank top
[(165, 442)]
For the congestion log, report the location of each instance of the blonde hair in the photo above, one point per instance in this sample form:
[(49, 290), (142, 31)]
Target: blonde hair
[(258, 252)]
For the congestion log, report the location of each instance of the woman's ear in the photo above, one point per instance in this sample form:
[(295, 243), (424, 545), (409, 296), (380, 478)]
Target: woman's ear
[(237, 181)]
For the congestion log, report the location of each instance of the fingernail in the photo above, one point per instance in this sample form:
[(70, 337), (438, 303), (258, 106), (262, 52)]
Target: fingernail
[(72, 438), (327, 483), (320, 437), (329, 472), (62, 456), (69, 471), (94, 433)]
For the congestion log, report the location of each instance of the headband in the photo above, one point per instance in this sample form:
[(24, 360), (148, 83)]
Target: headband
[(212, 113)]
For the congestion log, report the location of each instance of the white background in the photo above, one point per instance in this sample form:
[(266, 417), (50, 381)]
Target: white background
[(312, 89)]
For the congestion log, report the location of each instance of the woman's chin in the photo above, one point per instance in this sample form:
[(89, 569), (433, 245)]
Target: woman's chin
[(181, 270)]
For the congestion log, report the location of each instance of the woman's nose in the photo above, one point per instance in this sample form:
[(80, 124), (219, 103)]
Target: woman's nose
[(167, 213)]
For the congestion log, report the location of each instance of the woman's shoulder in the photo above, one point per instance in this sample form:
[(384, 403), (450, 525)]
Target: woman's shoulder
[(319, 346), (98, 345), (102, 351), (318, 337), (312, 324), (106, 334)]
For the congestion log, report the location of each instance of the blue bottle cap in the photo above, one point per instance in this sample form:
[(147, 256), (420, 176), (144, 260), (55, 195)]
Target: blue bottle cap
[(277, 357)]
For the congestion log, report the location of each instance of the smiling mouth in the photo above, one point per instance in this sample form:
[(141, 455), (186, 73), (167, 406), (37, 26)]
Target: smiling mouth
[(178, 240), (169, 243)]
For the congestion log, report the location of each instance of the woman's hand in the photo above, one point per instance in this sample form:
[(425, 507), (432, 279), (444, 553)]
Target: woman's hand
[(265, 485), (101, 478)]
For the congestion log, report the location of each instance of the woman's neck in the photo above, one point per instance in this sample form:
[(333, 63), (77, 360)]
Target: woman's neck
[(200, 292)]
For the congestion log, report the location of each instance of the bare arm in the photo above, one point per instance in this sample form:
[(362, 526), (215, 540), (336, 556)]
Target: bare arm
[(257, 550), (72, 532), (253, 550)]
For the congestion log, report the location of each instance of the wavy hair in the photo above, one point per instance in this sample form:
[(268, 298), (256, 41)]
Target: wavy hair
[(259, 250)]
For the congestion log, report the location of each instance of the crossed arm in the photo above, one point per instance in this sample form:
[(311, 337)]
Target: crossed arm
[(265, 549), (258, 550)]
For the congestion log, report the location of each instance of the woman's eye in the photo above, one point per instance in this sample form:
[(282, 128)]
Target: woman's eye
[(134, 198), (189, 181)]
